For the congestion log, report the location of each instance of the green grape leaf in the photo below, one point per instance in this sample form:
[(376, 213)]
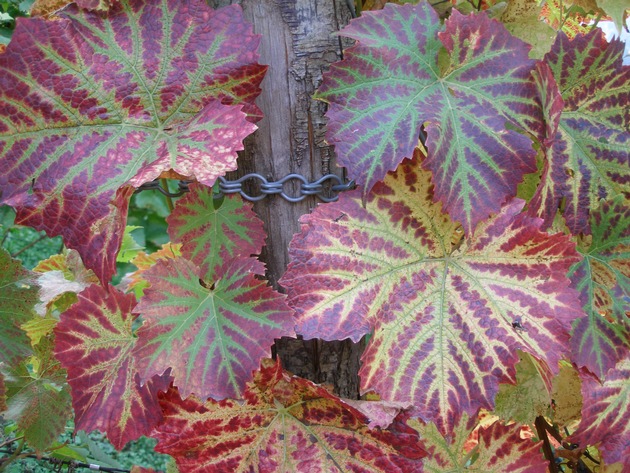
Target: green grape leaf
[(38, 398), (602, 338), (500, 449), (95, 343), (94, 104), (606, 415), (447, 314), (284, 424), (18, 296), (530, 397), (213, 235), (468, 85), (615, 9), (212, 334)]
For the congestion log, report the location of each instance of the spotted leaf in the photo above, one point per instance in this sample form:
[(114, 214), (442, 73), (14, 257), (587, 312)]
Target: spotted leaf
[(93, 104), (588, 158), (18, 296), (465, 84), (95, 343), (447, 315), (602, 338), (212, 334), (214, 231), (285, 424), (38, 397)]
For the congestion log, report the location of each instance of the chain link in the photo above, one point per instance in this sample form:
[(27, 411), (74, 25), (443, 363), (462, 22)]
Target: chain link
[(326, 188)]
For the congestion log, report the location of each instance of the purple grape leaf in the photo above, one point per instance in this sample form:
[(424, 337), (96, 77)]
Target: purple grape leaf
[(602, 338), (3, 394), (18, 296), (500, 449), (395, 79), (212, 334), (447, 315), (588, 159), (38, 398), (95, 343), (285, 424), (212, 235), (93, 104), (606, 415)]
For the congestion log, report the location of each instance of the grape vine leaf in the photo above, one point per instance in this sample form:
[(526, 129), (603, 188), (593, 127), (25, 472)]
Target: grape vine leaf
[(18, 296), (95, 343), (614, 9), (395, 79), (566, 395), (94, 104), (446, 314), (606, 415), (212, 334), (588, 157), (3, 392), (144, 261), (602, 338), (500, 449), (530, 397), (213, 232), (285, 424), (37, 397)]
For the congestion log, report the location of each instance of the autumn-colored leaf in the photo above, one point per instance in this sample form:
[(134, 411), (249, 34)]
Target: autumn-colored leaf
[(18, 296), (95, 343), (566, 394), (212, 334), (589, 155), (606, 415), (38, 398), (285, 424), (61, 274), (144, 261), (464, 84), (500, 449), (214, 232), (3, 392), (447, 315), (602, 338), (94, 104), (522, 19)]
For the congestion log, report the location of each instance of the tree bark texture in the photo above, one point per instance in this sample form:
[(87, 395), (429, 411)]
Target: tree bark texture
[(298, 44)]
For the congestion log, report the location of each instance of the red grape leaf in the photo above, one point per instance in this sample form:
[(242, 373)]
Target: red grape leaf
[(212, 334), (38, 398), (144, 261), (395, 79), (95, 343), (606, 415), (602, 338), (285, 424), (447, 316), (94, 101), (18, 296), (212, 231), (588, 158), (500, 449)]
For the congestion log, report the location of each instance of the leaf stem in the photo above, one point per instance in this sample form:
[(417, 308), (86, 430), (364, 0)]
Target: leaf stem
[(169, 200), (31, 244), (541, 429)]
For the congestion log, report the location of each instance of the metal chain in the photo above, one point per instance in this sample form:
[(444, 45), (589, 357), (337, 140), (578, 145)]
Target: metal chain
[(317, 188)]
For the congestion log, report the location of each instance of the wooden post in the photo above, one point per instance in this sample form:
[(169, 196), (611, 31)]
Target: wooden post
[(298, 44)]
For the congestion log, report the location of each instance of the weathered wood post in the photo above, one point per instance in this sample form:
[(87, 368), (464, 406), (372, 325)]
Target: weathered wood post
[(298, 44)]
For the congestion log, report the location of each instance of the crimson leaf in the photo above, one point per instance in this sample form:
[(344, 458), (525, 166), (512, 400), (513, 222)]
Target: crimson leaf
[(285, 424), (212, 334), (447, 314), (92, 104), (396, 78), (214, 231), (95, 343)]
